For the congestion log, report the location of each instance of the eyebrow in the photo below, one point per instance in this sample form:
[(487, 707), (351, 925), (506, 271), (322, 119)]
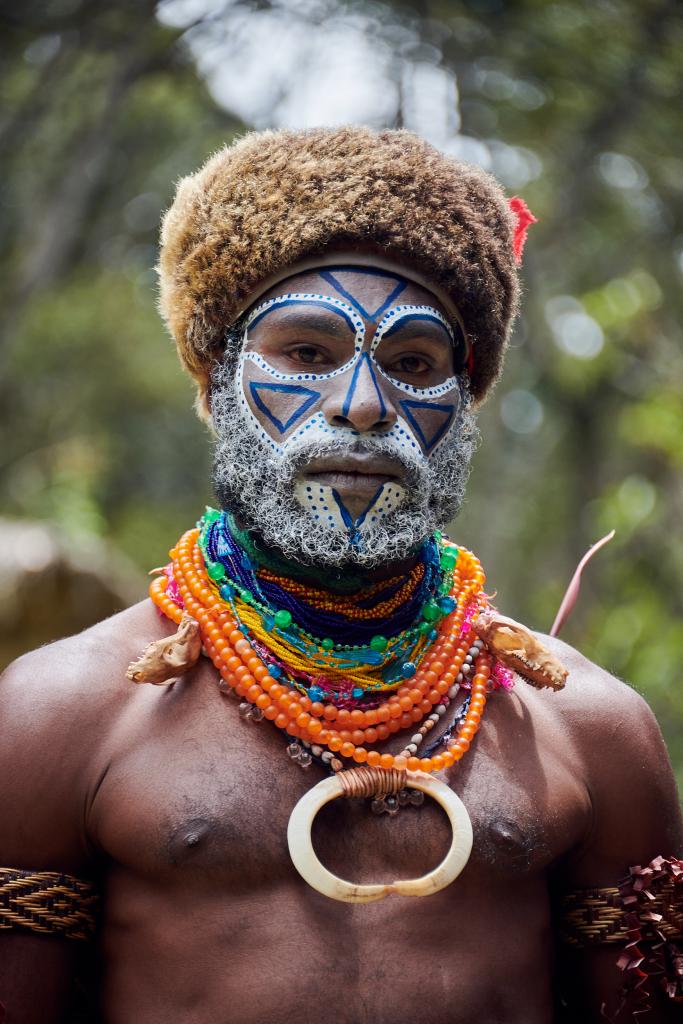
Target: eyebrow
[(412, 326), (296, 314)]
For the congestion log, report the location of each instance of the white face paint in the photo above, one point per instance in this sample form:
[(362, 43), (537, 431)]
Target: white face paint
[(325, 506), (285, 409)]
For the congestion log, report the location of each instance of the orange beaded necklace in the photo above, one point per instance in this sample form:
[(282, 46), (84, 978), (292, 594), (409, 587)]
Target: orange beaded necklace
[(350, 734)]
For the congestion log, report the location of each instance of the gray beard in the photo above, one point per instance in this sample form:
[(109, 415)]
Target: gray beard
[(256, 485)]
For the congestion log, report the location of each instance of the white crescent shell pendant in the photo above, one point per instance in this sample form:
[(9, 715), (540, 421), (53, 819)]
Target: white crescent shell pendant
[(318, 877)]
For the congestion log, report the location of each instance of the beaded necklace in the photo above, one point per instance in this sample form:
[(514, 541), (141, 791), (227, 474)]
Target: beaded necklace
[(449, 653), (340, 716), (343, 734), (321, 633)]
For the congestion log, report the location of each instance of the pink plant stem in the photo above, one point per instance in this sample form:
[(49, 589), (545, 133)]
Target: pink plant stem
[(572, 592)]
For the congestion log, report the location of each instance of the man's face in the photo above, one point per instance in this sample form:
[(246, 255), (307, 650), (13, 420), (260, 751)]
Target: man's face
[(348, 392)]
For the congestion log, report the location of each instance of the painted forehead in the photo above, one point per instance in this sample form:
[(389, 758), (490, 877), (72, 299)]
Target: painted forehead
[(360, 297), (369, 291), (366, 304)]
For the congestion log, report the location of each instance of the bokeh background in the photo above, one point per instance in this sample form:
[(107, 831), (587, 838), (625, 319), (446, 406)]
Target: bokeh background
[(575, 105)]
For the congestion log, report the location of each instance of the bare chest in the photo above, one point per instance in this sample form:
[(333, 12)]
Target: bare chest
[(195, 795)]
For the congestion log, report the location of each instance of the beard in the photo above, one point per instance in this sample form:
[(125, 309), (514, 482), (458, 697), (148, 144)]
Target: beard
[(256, 484)]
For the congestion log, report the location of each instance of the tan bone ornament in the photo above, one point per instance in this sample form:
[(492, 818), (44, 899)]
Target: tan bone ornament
[(163, 661), (518, 649)]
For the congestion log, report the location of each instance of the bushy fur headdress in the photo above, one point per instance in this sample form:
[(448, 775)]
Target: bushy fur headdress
[(276, 197)]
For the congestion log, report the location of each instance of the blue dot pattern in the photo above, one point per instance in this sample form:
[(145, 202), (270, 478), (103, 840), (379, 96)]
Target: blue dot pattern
[(403, 432)]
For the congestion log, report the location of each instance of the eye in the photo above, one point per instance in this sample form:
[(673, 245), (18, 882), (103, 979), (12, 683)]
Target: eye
[(307, 354), (410, 364)]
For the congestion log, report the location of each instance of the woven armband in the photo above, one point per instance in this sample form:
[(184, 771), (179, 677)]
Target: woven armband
[(593, 917), (47, 902), (645, 915)]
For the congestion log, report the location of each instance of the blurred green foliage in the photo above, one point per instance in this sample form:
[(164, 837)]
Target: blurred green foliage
[(103, 109)]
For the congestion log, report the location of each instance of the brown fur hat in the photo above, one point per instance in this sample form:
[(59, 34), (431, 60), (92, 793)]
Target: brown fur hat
[(276, 197)]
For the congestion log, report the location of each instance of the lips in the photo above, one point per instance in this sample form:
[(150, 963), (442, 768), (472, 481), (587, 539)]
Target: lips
[(355, 474), (361, 484), (357, 464)]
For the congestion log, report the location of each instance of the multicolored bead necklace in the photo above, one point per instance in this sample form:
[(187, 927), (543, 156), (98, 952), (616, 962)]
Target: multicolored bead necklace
[(242, 609), (318, 633), (262, 653)]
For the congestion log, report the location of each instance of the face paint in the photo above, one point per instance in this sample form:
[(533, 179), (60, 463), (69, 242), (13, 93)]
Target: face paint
[(259, 486), (391, 324), (350, 317), (259, 489), (431, 411), (325, 506), (285, 409)]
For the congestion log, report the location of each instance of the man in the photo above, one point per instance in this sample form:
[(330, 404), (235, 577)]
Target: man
[(343, 300)]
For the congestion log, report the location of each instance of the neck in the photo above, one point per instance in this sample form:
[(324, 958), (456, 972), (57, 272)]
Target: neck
[(344, 579)]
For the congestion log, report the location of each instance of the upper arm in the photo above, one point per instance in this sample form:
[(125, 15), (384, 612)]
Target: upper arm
[(43, 769), (36, 977), (636, 816), (636, 813), (43, 785)]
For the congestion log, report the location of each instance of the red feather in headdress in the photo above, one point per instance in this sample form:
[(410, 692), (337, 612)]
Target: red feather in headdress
[(524, 218)]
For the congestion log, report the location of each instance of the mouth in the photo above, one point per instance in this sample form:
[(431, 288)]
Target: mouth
[(353, 474)]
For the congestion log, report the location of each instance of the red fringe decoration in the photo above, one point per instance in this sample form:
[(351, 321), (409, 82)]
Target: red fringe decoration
[(524, 218), (658, 959)]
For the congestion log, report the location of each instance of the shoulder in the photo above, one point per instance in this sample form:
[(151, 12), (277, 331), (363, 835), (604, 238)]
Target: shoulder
[(60, 705), (616, 747), (594, 712), (597, 706), (82, 673)]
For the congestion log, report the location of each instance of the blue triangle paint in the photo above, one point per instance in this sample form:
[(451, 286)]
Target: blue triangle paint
[(260, 392), (412, 409), (328, 276)]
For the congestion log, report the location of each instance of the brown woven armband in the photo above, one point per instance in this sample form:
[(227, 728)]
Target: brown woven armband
[(645, 915), (593, 917), (47, 902)]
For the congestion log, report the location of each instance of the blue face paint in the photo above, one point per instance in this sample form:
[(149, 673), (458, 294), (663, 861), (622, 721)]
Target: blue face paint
[(304, 300), (352, 318), (428, 434), (393, 320), (363, 364), (307, 395), (401, 285), (327, 507), (285, 409)]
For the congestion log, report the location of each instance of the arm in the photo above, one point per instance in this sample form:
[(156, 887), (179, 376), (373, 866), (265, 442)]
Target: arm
[(42, 793), (635, 817), (35, 977)]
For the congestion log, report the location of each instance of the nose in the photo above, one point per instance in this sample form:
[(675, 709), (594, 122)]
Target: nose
[(359, 402)]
